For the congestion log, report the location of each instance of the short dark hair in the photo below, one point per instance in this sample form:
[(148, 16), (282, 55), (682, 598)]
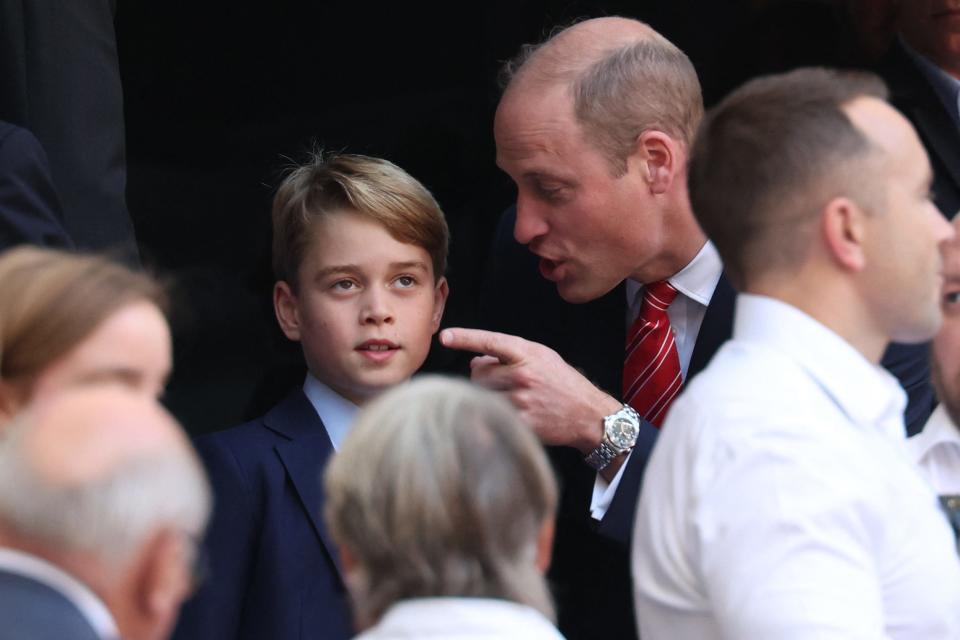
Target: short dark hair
[(371, 187), (770, 156)]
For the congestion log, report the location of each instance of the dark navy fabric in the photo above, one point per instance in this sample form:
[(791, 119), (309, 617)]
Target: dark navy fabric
[(29, 206), (273, 568)]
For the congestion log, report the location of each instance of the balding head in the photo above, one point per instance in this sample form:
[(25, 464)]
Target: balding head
[(623, 78), (96, 471)]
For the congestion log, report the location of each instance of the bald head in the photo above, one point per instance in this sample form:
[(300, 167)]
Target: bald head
[(97, 470), (621, 77), (83, 437), (569, 52)]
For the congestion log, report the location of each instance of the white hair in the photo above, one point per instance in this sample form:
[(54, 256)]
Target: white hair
[(441, 490), (110, 517)]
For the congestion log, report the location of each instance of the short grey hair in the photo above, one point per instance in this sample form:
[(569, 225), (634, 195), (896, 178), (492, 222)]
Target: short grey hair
[(440, 490), (646, 84), (110, 517)]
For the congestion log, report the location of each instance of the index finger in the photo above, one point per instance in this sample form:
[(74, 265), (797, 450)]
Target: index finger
[(502, 346)]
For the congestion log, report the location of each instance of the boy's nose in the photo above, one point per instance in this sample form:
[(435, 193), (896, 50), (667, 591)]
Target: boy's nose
[(375, 310)]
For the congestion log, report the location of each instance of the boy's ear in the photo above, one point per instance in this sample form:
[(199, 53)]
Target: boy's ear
[(440, 293), (285, 306)]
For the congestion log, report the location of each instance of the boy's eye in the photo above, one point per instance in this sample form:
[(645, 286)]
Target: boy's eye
[(344, 285), (406, 281), (951, 302)]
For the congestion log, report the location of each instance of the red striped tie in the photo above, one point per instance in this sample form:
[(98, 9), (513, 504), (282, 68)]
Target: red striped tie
[(651, 368)]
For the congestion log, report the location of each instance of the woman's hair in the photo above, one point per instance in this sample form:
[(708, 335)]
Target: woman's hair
[(52, 300), (440, 490)]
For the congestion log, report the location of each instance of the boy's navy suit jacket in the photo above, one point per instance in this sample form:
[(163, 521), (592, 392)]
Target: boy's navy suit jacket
[(274, 570)]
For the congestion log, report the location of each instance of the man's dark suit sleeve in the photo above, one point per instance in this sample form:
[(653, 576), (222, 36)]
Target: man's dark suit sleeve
[(215, 611), (29, 207), (617, 523)]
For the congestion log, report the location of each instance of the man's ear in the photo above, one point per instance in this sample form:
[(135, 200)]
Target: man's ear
[(164, 576), (440, 294), (843, 228), (545, 545), (657, 157), (347, 559), (285, 306)]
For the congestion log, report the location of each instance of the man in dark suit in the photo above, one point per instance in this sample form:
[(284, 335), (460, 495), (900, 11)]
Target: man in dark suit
[(101, 498), (923, 73), (29, 206), (60, 78), (594, 128)]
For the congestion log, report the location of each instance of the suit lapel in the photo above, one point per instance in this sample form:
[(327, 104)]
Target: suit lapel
[(920, 102), (304, 456), (716, 328)]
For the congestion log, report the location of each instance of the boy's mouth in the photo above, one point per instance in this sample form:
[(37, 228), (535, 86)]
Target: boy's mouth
[(378, 350)]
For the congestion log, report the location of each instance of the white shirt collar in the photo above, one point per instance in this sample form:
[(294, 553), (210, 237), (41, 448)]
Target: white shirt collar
[(91, 606), (696, 281), (336, 412), (938, 431), (866, 393)]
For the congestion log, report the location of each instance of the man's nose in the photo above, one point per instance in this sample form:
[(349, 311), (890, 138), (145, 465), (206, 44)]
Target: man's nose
[(531, 222)]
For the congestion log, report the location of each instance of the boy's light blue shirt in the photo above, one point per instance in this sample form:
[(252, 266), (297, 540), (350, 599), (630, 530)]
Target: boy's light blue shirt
[(336, 412)]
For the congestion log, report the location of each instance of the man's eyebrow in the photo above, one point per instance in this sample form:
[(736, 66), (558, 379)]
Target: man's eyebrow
[(539, 176)]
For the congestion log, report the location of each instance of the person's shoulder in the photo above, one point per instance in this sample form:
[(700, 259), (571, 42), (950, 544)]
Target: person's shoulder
[(253, 439)]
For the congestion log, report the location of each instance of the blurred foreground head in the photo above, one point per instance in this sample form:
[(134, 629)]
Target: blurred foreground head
[(70, 319), (440, 490), (103, 484)]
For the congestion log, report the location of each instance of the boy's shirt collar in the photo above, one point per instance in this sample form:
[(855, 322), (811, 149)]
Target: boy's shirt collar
[(336, 412)]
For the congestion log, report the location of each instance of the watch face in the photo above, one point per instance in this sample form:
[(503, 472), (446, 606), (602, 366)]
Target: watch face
[(623, 433)]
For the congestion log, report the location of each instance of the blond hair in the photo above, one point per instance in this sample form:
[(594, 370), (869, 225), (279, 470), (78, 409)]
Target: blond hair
[(372, 187), (440, 490), (53, 299), (619, 92)]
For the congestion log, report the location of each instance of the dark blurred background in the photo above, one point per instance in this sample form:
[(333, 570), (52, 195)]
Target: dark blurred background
[(220, 96)]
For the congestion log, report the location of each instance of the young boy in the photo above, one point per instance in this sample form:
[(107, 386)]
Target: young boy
[(359, 251)]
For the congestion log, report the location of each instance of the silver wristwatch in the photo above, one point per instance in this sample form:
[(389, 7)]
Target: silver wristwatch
[(620, 431)]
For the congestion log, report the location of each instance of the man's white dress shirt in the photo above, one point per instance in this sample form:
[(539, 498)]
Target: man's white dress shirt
[(90, 605), (781, 501), (937, 450), (461, 619), (336, 412), (695, 284)]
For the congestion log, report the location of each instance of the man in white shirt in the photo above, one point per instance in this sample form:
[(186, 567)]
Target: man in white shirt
[(102, 500), (937, 448), (780, 500)]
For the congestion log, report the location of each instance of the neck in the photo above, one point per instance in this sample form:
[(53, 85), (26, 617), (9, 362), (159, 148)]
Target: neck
[(832, 305), (681, 240)]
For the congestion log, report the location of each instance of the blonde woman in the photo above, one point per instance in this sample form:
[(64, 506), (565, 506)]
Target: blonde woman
[(69, 319)]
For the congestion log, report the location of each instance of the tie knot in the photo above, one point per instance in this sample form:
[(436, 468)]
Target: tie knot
[(657, 296)]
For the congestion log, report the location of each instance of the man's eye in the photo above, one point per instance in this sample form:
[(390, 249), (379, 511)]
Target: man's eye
[(951, 298), (406, 281), (551, 194)]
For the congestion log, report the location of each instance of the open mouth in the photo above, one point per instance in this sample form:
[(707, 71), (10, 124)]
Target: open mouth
[(377, 350), (548, 268)]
